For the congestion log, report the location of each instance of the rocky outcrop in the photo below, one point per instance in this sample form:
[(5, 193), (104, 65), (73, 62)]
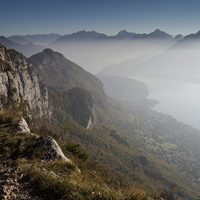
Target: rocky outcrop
[(20, 87), (50, 149), (46, 145), (23, 126), (42, 147)]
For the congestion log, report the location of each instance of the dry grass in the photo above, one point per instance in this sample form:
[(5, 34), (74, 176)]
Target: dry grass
[(58, 180)]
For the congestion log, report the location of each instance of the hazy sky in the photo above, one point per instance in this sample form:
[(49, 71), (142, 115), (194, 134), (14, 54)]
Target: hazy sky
[(108, 16)]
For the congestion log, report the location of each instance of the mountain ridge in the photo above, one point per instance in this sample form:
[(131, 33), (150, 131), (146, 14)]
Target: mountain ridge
[(89, 36), (46, 39)]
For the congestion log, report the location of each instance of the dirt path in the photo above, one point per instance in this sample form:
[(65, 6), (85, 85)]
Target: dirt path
[(12, 185)]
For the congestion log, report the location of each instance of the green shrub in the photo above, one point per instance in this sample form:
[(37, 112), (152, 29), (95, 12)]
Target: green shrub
[(76, 149)]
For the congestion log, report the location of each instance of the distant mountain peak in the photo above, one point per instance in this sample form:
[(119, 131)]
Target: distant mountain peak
[(122, 32), (160, 34), (82, 35), (88, 33), (80, 32), (50, 55), (158, 31), (125, 33)]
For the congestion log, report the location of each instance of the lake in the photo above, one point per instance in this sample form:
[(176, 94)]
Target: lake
[(180, 99)]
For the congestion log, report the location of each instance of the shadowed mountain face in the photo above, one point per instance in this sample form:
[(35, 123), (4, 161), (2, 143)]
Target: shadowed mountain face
[(81, 105), (62, 76)]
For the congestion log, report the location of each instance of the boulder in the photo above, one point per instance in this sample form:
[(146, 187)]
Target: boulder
[(50, 149)]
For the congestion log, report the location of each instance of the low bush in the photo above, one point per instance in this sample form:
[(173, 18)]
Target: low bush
[(77, 150)]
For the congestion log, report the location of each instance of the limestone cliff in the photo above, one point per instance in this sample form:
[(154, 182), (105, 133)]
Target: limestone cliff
[(20, 87)]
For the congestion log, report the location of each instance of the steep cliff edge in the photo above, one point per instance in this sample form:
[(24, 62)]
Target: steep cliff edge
[(20, 87)]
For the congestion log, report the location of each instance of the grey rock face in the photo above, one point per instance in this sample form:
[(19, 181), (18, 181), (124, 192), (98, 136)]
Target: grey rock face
[(20, 86)]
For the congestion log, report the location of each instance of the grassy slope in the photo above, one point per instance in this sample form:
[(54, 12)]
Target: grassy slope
[(58, 179)]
